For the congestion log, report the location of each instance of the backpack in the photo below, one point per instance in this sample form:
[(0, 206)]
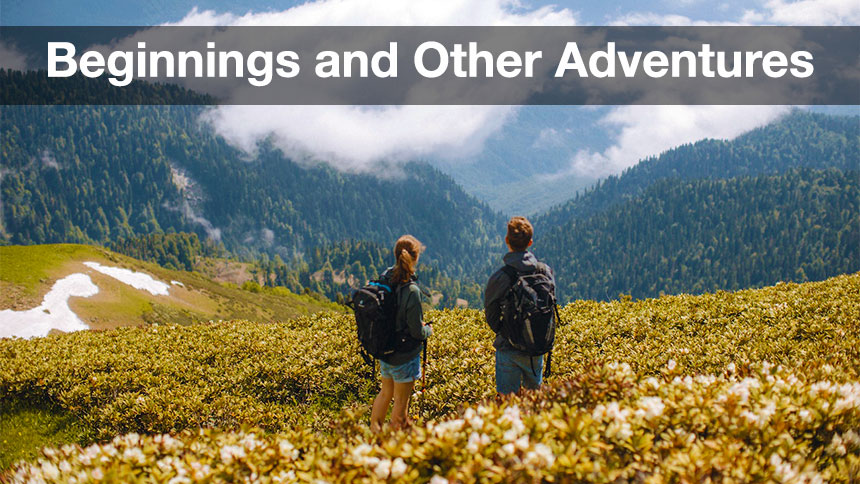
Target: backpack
[(529, 311), (375, 307)]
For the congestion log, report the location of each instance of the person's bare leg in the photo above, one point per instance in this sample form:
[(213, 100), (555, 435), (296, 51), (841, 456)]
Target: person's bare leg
[(380, 405), (402, 393)]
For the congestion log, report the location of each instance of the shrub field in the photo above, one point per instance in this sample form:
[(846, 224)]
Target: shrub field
[(756, 385)]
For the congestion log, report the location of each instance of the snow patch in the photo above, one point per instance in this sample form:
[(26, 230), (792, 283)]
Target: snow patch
[(137, 280), (53, 313), (177, 283)]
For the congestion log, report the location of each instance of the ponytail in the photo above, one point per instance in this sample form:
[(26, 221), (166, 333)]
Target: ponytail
[(406, 252)]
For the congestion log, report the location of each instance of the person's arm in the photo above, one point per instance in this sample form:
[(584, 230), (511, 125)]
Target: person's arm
[(415, 315), (496, 288)]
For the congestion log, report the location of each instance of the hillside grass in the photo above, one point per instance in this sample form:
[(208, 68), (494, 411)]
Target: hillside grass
[(28, 272), (303, 377), (24, 429)]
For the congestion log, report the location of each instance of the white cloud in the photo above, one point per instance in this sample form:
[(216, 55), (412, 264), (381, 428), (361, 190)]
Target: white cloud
[(645, 131), (805, 12), (666, 20), (12, 58), (358, 138), (390, 13), (772, 12)]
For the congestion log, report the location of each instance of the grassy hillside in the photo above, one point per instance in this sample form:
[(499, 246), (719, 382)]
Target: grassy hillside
[(752, 385), (27, 273)]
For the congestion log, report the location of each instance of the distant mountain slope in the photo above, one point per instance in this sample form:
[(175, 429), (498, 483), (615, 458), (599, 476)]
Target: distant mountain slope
[(800, 139), (694, 236), (523, 168), (94, 174), (28, 273)]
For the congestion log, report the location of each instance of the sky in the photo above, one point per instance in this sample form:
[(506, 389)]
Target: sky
[(152, 12), (359, 139)]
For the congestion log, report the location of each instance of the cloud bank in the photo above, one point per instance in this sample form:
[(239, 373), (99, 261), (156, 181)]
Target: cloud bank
[(360, 138), (645, 131)]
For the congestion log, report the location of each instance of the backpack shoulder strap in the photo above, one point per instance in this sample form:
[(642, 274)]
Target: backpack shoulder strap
[(511, 272)]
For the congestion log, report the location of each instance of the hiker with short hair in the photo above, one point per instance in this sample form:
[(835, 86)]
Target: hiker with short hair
[(400, 369), (521, 340)]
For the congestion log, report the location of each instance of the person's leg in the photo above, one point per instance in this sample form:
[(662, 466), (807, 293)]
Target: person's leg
[(531, 369), (380, 404), (402, 393), (508, 373)]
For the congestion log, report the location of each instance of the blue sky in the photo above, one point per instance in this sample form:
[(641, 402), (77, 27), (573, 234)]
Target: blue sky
[(150, 12)]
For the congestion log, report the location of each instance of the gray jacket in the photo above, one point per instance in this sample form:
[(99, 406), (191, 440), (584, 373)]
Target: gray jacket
[(410, 316), (498, 286)]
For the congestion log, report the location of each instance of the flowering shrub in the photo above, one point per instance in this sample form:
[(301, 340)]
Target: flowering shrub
[(728, 386), (606, 425)]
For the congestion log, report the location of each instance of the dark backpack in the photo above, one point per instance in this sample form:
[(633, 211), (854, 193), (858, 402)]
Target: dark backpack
[(375, 307), (529, 311)]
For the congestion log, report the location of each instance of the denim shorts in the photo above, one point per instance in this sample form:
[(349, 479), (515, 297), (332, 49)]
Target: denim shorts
[(514, 368), (405, 373)]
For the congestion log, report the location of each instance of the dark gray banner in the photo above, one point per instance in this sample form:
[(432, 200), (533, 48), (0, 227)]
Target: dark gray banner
[(430, 65)]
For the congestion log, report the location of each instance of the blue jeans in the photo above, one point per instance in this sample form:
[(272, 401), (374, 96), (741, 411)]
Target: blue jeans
[(514, 368), (407, 372)]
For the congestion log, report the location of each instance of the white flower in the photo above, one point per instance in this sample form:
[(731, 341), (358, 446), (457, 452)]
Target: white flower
[(98, 474), (288, 450), (522, 443), (837, 446), (134, 454), (620, 431), (65, 466), (671, 365), (512, 416), (731, 368), (50, 470), (361, 451), (473, 446), (540, 456), (169, 443), (250, 442), (652, 382), (383, 469), (448, 427), (230, 452), (650, 407), (398, 468), (508, 449), (438, 480)]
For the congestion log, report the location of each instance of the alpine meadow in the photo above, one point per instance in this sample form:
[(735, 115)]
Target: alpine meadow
[(175, 308)]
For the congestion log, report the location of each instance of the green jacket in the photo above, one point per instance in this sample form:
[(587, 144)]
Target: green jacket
[(410, 316)]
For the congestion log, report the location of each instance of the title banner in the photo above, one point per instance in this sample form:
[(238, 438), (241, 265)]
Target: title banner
[(433, 65)]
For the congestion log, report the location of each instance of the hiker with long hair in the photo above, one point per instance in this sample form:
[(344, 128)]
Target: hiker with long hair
[(401, 369)]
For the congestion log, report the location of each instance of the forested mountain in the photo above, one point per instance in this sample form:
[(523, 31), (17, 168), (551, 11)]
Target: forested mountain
[(702, 235), (96, 174), (710, 215), (800, 139)]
